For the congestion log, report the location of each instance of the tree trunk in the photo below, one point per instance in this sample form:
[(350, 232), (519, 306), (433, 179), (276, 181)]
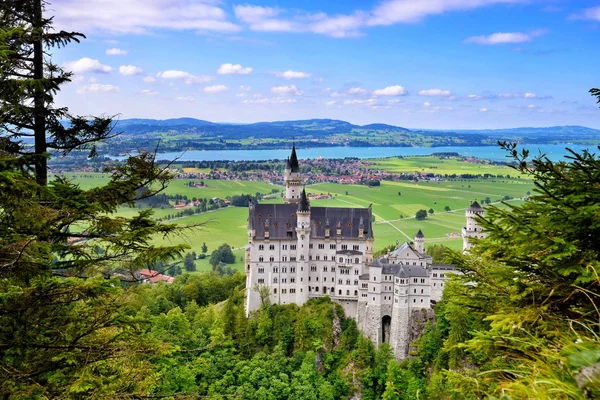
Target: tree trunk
[(39, 124)]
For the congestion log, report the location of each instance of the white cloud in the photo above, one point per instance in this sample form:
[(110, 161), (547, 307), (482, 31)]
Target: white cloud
[(242, 94), (149, 92), (426, 104), (286, 90), (592, 14), (483, 109), (505, 37), (360, 102), (435, 93), (233, 69), (395, 90), (245, 88), (474, 97), (97, 87), (116, 52), (84, 65), (331, 103), (274, 100), (215, 89), (129, 70), (394, 101), (292, 75), (186, 76), (509, 95), (530, 95), (357, 90), (141, 16), (149, 79), (185, 98), (531, 106), (338, 94)]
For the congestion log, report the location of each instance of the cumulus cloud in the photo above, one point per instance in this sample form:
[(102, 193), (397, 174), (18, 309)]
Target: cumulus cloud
[(331, 103), (286, 90), (215, 89), (182, 75), (84, 65), (185, 98), (116, 52), (97, 87), (483, 109), (426, 104), (129, 70), (292, 74), (435, 93), (360, 102), (591, 14), (245, 88), (395, 90), (530, 95), (474, 97), (505, 37), (149, 92), (141, 16), (233, 69), (357, 90), (149, 79)]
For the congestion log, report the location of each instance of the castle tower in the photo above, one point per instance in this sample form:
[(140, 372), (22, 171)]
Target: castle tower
[(303, 234), (472, 230), (292, 179), (420, 242)]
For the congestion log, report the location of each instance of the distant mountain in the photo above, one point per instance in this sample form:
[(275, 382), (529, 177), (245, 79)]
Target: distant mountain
[(568, 130), (163, 122)]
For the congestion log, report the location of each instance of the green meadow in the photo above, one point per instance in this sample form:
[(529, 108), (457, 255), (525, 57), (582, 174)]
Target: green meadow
[(437, 165), (394, 204)]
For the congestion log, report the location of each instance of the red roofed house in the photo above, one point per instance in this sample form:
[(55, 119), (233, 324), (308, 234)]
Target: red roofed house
[(151, 276)]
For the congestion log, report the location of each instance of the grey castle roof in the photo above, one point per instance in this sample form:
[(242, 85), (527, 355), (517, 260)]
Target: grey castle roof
[(400, 270), (419, 234), (475, 206), (292, 162), (303, 205), (281, 220)]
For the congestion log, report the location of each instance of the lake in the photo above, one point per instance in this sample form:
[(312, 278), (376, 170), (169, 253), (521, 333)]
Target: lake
[(553, 151)]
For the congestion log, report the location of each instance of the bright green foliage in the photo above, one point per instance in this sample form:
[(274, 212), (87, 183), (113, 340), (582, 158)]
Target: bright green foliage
[(222, 254)]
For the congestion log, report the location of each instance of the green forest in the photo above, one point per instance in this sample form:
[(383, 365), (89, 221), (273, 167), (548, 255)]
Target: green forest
[(519, 322)]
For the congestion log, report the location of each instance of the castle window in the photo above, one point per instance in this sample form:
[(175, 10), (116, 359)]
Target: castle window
[(341, 260), (415, 280), (284, 258), (292, 290), (275, 269), (272, 247), (355, 272), (340, 292), (313, 268), (284, 247), (284, 270), (292, 247), (414, 300), (332, 269), (261, 259), (261, 270), (318, 258), (309, 257), (271, 259), (421, 291), (324, 279), (415, 290), (332, 290), (356, 292), (356, 281), (261, 247), (347, 281), (356, 260), (332, 247), (373, 298), (293, 270), (292, 280), (421, 300), (317, 278), (321, 246), (310, 246), (316, 289), (356, 247), (441, 275), (434, 284), (309, 288), (325, 269), (344, 247), (274, 280), (435, 274), (283, 280), (283, 291), (347, 293), (302, 257), (275, 290), (261, 280), (396, 301)]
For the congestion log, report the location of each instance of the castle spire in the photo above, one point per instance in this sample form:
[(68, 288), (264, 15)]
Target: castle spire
[(303, 205), (293, 160)]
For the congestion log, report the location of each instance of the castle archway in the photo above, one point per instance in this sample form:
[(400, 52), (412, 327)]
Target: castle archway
[(386, 326)]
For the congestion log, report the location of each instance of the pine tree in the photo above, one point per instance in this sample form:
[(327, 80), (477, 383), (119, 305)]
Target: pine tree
[(29, 80)]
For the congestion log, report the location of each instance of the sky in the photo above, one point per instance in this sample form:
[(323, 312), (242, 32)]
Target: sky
[(420, 64)]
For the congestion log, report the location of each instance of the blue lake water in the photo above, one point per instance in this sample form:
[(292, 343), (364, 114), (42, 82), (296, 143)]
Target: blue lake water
[(554, 152)]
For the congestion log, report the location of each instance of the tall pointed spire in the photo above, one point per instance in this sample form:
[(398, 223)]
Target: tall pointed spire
[(304, 205), (293, 160)]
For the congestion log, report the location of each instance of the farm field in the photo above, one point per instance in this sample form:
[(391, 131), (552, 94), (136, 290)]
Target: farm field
[(438, 165), (213, 188)]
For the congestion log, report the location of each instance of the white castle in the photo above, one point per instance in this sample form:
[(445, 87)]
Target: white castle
[(296, 252)]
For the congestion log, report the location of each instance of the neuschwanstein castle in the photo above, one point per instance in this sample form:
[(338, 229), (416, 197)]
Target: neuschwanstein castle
[(298, 252)]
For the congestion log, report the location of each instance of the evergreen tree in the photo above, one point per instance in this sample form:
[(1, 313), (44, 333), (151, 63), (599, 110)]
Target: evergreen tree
[(421, 215), (188, 262), (29, 82)]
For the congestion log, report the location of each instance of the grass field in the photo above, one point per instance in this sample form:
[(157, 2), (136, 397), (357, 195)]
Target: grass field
[(438, 165), (394, 206)]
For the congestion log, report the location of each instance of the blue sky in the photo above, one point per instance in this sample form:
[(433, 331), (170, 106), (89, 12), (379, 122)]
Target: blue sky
[(434, 64)]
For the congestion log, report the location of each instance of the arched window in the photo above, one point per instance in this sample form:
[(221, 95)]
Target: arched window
[(356, 260)]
